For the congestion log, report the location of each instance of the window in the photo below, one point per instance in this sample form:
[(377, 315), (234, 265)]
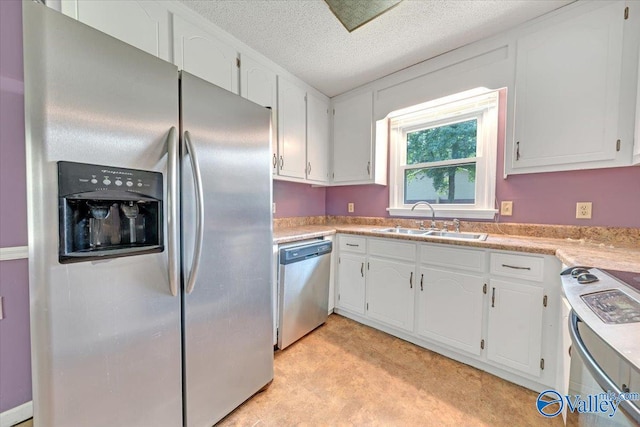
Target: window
[(444, 152)]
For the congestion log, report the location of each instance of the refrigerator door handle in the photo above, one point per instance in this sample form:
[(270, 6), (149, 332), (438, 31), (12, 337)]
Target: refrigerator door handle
[(197, 181), (173, 240)]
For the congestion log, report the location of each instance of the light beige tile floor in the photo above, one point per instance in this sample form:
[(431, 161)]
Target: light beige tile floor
[(345, 373)]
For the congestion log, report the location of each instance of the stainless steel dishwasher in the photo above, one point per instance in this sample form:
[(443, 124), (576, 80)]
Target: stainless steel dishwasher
[(303, 299)]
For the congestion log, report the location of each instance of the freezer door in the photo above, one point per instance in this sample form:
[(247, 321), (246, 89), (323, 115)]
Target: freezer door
[(228, 349), (106, 347)]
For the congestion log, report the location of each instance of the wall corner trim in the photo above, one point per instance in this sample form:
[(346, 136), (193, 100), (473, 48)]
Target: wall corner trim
[(15, 252), (16, 415)]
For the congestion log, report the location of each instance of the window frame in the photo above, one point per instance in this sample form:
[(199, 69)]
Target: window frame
[(481, 104)]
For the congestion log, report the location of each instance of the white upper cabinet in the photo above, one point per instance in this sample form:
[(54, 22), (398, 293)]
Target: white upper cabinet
[(567, 92), (202, 54), (143, 24), (353, 138), (258, 83), (291, 130), (317, 138)]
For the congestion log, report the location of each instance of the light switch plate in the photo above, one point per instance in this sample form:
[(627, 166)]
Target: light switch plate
[(506, 208), (583, 210)]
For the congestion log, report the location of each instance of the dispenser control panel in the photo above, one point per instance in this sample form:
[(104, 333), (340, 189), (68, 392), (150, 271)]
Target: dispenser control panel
[(75, 178)]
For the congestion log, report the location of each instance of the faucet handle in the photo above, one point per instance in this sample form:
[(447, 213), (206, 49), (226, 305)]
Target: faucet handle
[(456, 224), (420, 224), (445, 226)]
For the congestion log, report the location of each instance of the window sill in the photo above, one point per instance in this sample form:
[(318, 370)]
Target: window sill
[(444, 212)]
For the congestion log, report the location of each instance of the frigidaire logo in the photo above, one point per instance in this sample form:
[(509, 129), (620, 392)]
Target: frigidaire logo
[(116, 172)]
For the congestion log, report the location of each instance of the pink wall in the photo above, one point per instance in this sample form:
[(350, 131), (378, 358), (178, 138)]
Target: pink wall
[(293, 199), (15, 351)]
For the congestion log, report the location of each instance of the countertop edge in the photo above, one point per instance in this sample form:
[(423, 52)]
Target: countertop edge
[(568, 251)]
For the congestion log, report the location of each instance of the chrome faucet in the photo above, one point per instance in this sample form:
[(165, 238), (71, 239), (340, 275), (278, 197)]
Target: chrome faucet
[(433, 212)]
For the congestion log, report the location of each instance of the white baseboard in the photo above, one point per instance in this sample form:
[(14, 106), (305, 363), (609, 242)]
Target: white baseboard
[(16, 415)]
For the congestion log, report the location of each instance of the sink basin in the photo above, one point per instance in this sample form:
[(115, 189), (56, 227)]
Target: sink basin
[(401, 231), (454, 235)]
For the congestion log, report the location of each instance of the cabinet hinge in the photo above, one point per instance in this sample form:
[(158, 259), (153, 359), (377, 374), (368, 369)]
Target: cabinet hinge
[(618, 145), (626, 12), (339, 260), (334, 111), (333, 175), (482, 344), (484, 289), (338, 297), (367, 306), (238, 62), (542, 364), (544, 301)]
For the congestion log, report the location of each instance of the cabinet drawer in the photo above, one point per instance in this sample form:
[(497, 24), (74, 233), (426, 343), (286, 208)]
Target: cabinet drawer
[(389, 248), (519, 266), (353, 244), (447, 256)]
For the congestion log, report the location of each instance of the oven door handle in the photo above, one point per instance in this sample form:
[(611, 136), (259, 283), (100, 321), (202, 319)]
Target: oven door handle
[(596, 371)]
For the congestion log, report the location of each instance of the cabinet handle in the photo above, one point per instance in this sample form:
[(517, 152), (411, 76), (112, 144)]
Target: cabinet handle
[(369, 168), (515, 267), (493, 297), (362, 269), (411, 281), (351, 244), (275, 160), (281, 162), (421, 281), (518, 150), (309, 169)]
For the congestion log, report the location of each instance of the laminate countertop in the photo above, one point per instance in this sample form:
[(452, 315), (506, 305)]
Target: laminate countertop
[(570, 252)]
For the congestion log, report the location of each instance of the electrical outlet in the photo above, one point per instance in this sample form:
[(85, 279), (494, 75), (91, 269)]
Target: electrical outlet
[(273, 208), (350, 207), (506, 208), (583, 210)]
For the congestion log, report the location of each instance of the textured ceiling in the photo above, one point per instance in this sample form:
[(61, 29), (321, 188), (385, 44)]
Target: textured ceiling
[(305, 38)]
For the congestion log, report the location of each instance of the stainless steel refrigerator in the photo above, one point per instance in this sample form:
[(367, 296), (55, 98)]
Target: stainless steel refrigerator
[(150, 236)]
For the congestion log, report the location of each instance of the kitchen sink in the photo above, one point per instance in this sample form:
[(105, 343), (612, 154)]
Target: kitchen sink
[(454, 235), (399, 230)]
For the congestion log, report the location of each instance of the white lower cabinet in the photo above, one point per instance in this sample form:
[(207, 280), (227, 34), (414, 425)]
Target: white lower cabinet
[(514, 334), (351, 282), (390, 292), (494, 310), (450, 308)]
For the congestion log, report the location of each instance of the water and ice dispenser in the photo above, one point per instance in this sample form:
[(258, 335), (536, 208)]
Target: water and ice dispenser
[(108, 212)]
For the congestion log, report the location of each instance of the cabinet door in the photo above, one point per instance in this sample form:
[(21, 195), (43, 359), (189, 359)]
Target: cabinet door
[(143, 24), (514, 336), (567, 90), (353, 138), (258, 84), (202, 54), (390, 292), (317, 138), (292, 129), (450, 308), (351, 282)]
